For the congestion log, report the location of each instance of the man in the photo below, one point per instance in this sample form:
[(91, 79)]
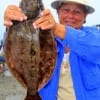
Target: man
[(72, 15), (83, 44)]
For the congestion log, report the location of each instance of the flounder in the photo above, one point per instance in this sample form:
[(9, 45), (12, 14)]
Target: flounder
[(30, 53)]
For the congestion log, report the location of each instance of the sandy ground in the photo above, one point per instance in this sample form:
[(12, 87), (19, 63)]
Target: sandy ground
[(10, 89)]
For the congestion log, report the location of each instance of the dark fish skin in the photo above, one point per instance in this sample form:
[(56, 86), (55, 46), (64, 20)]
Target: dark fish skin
[(30, 53), (33, 97)]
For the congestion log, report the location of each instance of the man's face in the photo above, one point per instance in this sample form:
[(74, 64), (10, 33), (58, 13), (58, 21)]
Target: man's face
[(72, 14)]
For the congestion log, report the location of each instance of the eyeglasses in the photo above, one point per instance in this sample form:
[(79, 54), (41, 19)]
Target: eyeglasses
[(73, 11)]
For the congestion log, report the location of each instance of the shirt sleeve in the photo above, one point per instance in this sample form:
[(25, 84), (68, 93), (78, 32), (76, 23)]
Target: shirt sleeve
[(85, 43)]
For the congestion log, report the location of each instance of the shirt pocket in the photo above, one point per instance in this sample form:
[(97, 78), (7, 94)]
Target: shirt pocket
[(90, 75)]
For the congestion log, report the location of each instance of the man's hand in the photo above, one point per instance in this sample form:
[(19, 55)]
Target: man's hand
[(13, 12), (47, 21)]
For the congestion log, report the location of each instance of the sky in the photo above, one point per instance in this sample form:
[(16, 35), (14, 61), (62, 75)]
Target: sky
[(92, 19)]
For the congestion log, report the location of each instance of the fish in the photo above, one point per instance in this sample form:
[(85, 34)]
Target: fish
[(30, 53)]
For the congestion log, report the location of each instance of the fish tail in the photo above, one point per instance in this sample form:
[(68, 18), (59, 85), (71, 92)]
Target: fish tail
[(33, 97)]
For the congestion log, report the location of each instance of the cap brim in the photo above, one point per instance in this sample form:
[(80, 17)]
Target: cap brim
[(57, 4)]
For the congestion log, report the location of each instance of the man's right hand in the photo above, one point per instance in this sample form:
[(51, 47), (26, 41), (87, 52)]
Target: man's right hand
[(13, 12)]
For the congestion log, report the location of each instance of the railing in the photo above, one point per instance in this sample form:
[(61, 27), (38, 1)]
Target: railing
[(98, 26)]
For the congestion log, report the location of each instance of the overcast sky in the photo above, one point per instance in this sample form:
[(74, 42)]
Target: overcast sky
[(92, 19)]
